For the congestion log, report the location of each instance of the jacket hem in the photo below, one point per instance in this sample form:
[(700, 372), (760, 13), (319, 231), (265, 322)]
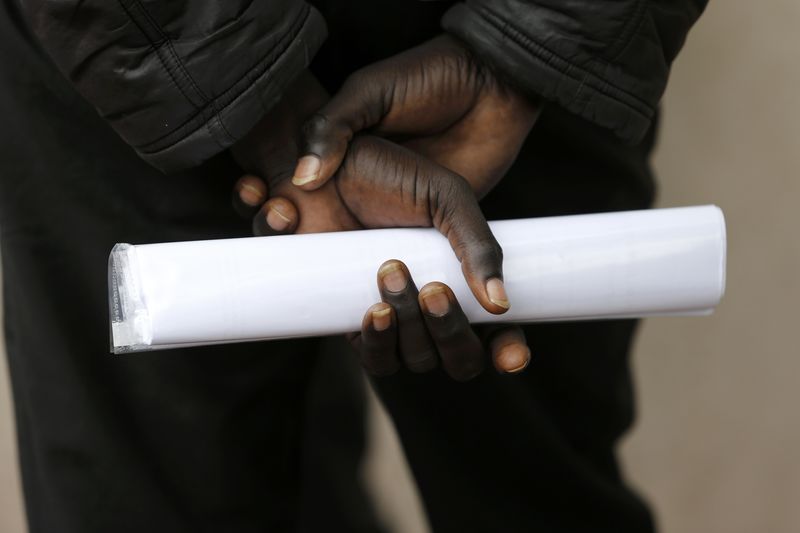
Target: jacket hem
[(549, 75), (233, 113)]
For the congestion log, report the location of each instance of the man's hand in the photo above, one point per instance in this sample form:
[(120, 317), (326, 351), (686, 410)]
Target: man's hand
[(422, 329), (270, 152), (464, 129), (437, 99), (383, 185)]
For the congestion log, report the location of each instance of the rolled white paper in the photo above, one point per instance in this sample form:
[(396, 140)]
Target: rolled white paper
[(612, 265)]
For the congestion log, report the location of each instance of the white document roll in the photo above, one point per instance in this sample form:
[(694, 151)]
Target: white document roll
[(628, 264)]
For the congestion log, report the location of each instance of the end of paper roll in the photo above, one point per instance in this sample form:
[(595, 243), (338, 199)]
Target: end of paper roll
[(131, 328), (723, 253)]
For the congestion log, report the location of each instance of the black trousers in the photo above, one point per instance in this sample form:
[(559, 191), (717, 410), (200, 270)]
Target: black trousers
[(268, 436)]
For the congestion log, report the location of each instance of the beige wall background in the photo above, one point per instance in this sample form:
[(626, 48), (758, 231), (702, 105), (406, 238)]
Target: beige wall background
[(717, 444)]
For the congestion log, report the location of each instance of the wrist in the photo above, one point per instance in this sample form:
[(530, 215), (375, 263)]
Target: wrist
[(526, 106)]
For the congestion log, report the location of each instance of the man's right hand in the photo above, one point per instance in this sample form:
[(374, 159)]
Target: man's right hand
[(384, 185), (439, 100)]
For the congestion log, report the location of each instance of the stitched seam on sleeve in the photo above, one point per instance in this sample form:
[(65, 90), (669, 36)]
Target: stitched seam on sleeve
[(175, 68), (165, 41), (182, 67), (228, 96), (628, 31), (565, 67), (157, 40)]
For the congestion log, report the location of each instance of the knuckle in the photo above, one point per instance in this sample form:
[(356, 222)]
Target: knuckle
[(357, 81), (325, 136), (319, 125), (453, 189), (487, 252), (448, 332), (365, 157), (361, 145)]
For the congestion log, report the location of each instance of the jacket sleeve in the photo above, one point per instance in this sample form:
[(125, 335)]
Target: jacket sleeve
[(604, 60), (180, 80)]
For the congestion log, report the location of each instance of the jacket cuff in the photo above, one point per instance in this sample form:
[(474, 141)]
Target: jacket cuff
[(233, 113), (535, 69)]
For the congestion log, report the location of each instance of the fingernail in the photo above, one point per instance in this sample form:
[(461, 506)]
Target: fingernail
[(250, 195), (436, 301), (307, 170), (277, 220), (514, 359), (393, 277), (497, 293), (382, 319)]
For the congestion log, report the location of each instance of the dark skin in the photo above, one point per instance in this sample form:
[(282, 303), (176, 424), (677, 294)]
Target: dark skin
[(456, 129), (437, 99)]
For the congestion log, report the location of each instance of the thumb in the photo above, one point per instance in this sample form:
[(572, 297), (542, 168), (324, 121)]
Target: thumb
[(325, 137), (386, 185), (457, 215)]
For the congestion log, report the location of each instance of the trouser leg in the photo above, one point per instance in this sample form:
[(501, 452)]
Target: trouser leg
[(536, 452)]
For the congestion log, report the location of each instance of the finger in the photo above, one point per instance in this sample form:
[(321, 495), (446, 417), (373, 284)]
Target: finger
[(358, 105), (378, 341), (509, 349), (460, 349), (414, 343), (458, 216), (387, 185), (278, 216), (420, 92), (249, 193)]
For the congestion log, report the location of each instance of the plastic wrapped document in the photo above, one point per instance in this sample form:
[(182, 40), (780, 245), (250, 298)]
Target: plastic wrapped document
[(629, 264)]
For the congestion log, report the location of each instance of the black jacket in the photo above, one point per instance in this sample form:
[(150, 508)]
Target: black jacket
[(182, 80)]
